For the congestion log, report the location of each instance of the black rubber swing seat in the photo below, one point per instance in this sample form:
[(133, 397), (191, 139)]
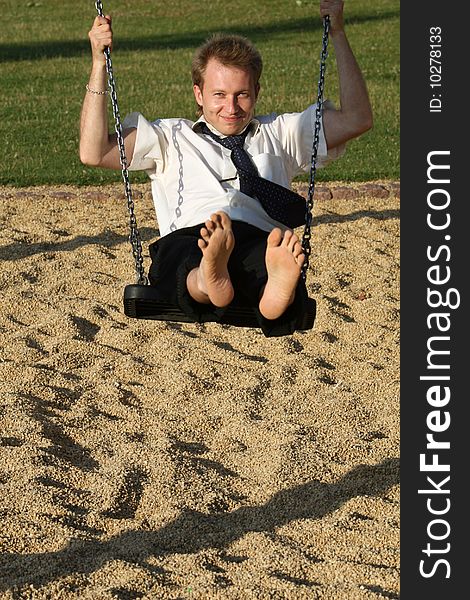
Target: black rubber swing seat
[(146, 302)]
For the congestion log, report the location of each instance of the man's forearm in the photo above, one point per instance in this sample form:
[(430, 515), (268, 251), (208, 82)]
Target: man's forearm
[(354, 99), (94, 132)]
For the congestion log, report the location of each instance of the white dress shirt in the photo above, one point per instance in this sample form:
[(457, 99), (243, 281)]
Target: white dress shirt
[(192, 176)]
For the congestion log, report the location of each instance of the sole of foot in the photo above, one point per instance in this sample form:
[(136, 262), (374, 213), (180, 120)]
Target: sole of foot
[(216, 243), (284, 260)]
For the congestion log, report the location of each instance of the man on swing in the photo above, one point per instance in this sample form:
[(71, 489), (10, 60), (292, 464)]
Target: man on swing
[(222, 232)]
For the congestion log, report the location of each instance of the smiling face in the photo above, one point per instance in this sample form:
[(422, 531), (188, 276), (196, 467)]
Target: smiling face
[(227, 98)]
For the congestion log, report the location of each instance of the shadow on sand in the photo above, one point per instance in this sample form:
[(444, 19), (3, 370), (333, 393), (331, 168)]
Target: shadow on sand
[(193, 531)]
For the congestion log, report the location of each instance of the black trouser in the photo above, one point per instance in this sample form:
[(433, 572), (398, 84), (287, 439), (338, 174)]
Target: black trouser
[(176, 254)]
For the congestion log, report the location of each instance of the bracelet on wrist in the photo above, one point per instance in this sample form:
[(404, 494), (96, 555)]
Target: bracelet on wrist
[(98, 93)]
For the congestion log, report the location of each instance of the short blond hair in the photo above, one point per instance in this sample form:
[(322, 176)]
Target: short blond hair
[(230, 50)]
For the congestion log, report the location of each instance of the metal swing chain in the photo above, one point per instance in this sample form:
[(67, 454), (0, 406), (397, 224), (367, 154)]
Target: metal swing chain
[(134, 236), (316, 140)]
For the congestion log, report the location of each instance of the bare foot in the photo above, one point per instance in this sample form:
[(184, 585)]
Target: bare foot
[(210, 282), (284, 260)]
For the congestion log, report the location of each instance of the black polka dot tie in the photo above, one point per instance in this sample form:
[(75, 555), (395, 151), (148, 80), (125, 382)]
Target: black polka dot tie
[(280, 203)]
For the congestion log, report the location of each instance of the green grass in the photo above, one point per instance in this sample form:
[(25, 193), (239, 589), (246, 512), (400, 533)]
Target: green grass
[(45, 61)]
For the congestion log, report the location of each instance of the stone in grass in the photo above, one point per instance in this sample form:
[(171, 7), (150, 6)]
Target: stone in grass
[(374, 190), (66, 195), (96, 195), (26, 194), (344, 192), (320, 192), (395, 189)]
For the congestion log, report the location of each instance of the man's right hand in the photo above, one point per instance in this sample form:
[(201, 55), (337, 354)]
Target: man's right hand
[(101, 37)]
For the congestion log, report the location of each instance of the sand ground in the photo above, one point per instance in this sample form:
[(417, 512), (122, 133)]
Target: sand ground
[(144, 459)]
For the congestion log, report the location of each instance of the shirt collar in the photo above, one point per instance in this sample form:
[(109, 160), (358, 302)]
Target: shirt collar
[(254, 125)]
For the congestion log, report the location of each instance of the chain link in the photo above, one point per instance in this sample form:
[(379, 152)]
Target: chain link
[(176, 144), (316, 139), (134, 236)]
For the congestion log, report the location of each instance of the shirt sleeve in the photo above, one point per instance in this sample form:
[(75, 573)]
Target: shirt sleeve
[(150, 148), (296, 131)]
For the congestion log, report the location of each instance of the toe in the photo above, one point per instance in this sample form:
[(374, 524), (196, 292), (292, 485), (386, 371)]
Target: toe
[(297, 250), (215, 220), (293, 242), (275, 237), (210, 226), (287, 240), (205, 234), (224, 219)]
